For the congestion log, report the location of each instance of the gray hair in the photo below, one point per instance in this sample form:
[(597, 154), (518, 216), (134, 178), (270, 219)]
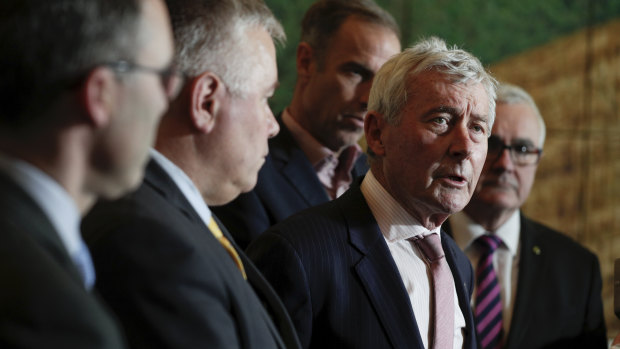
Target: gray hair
[(211, 36), (512, 94), (48, 46), (324, 18), (390, 91)]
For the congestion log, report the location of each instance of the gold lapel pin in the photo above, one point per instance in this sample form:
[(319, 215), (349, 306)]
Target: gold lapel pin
[(536, 250)]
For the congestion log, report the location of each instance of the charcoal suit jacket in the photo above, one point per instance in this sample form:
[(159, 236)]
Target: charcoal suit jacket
[(43, 301), (169, 280), (558, 299), (336, 276)]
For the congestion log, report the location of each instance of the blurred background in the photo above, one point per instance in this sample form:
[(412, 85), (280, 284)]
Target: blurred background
[(566, 54)]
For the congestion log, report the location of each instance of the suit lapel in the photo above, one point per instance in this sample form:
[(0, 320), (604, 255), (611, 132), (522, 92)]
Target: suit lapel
[(18, 206), (463, 287), (530, 274), (160, 181), (290, 160), (379, 274), (268, 296)]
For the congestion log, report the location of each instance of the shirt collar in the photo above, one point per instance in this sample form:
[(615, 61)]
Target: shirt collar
[(313, 149), (394, 221), (185, 184), (466, 231), (52, 198)]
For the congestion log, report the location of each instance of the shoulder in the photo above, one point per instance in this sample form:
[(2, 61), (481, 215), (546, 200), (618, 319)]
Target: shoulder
[(32, 275), (555, 242)]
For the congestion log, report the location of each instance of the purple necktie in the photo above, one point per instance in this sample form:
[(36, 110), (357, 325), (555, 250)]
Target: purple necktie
[(488, 301), (442, 303)]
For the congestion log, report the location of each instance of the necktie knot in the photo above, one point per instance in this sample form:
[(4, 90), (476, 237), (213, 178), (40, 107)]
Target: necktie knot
[(489, 242), (430, 246)]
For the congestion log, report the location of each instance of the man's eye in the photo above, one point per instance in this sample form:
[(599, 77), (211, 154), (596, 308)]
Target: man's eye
[(521, 148), (440, 120)]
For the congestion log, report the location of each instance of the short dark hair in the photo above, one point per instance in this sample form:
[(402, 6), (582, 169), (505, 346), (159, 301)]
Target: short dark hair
[(325, 17), (48, 43)]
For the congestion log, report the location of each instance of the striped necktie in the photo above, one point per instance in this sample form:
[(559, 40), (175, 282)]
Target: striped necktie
[(442, 310), (215, 230), (488, 296)]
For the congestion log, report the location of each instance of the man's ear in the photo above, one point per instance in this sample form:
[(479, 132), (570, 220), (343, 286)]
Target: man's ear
[(206, 100), (374, 126), (98, 95), (305, 61)]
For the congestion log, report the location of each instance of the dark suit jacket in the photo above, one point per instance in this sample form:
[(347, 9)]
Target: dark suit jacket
[(43, 302), (334, 272), (171, 282), (287, 183), (558, 300)]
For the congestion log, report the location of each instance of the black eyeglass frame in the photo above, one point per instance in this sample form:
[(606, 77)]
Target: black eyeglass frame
[(171, 78), (515, 150)]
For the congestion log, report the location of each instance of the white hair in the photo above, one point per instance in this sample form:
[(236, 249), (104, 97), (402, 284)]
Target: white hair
[(512, 94), (390, 91)]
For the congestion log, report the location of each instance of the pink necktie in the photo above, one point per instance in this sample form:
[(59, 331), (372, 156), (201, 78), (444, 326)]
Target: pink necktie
[(442, 304)]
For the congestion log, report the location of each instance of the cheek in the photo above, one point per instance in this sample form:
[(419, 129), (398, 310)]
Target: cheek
[(479, 155), (526, 180)]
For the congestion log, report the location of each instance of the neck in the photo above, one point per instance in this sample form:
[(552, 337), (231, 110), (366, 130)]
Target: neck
[(428, 218), (61, 154), (490, 218)]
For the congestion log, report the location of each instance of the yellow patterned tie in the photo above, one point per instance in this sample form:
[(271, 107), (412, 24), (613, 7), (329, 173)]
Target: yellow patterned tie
[(215, 230)]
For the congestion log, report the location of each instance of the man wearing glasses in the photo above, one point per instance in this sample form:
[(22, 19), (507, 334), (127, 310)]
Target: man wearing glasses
[(75, 125), (535, 287)]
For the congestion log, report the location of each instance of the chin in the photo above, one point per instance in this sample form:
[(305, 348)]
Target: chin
[(126, 185)]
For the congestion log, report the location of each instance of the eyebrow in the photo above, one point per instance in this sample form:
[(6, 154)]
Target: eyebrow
[(455, 111), (442, 109), (355, 66), (525, 141)]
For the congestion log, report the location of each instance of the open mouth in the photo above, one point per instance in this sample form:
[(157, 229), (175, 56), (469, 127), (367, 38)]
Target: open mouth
[(457, 178)]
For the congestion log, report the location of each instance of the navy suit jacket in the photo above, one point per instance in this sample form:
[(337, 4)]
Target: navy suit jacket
[(171, 282), (43, 302), (558, 300), (335, 274), (287, 183)]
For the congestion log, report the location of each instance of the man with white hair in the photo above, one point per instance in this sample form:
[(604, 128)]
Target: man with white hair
[(544, 289), (372, 269)]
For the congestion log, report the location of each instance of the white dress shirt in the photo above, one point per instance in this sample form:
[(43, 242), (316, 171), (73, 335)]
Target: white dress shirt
[(56, 204), (185, 184), (505, 259), (397, 226)]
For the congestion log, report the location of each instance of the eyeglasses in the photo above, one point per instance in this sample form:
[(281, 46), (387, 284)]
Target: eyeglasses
[(171, 79), (522, 154)]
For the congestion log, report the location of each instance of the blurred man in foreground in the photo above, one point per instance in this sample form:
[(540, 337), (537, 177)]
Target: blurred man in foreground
[(82, 88)]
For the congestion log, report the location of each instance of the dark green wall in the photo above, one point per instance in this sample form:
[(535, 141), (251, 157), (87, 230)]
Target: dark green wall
[(491, 29)]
